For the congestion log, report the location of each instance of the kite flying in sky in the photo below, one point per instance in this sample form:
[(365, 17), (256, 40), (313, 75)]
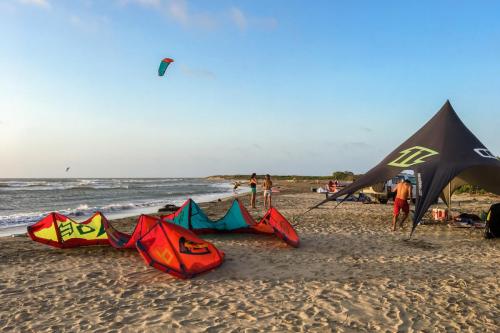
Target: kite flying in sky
[(164, 65)]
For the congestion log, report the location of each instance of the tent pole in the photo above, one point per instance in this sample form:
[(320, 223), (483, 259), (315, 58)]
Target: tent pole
[(418, 189), (449, 200)]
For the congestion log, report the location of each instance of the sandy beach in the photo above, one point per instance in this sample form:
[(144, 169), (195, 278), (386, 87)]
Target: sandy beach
[(349, 275)]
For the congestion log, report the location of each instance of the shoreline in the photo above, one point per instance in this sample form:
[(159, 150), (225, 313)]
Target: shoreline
[(29, 200), (17, 229)]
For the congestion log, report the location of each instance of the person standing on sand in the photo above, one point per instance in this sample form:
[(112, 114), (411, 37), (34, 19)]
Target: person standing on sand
[(253, 188), (403, 194), (268, 184)]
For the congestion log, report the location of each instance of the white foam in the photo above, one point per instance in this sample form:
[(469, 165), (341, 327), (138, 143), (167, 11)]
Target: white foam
[(120, 209)]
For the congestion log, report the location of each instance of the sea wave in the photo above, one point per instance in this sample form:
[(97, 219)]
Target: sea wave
[(79, 198), (77, 184), (22, 184), (81, 210), (94, 184), (89, 204)]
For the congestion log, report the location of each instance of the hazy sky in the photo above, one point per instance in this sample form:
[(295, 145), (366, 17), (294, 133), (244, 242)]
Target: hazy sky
[(285, 87)]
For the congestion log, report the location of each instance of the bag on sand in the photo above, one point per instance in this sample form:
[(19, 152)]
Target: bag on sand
[(492, 229)]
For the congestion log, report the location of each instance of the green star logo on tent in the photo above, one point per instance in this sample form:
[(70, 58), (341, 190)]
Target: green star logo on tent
[(412, 156)]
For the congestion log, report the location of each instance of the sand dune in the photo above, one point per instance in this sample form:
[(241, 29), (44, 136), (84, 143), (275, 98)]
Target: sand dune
[(349, 275)]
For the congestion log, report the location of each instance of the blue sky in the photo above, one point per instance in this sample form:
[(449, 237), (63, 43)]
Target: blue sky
[(283, 87)]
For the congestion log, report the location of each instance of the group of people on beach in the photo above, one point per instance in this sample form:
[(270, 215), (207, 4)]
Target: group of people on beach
[(266, 185), (403, 194)]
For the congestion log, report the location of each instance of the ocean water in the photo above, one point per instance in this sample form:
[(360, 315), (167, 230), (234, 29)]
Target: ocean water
[(25, 201)]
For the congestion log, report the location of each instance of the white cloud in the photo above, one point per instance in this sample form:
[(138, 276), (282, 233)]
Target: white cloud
[(88, 24), (243, 21), (178, 10), (181, 12), (39, 3), (238, 18), (149, 2), (146, 3)]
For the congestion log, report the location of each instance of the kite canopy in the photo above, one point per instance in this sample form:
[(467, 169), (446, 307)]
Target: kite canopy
[(177, 251), (166, 243), (237, 219), (165, 246), (164, 65), (192, 217), (443, 154), (60, 231), (121, 240), (279, 226)]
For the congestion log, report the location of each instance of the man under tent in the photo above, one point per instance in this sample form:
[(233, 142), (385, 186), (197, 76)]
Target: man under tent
[(403, 194)]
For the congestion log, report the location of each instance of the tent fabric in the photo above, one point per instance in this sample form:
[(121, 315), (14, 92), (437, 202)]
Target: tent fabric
[(237, 219), (444, 150), (449, 189), (492, 229), (60, 231), (175, 250)]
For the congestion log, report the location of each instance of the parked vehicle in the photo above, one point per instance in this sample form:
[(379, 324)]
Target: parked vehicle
[(383, 192)]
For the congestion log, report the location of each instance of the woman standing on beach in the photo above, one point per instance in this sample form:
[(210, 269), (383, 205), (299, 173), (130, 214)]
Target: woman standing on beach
[(253, 187), (268, 184)]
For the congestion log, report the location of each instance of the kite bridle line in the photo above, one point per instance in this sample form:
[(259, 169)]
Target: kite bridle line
[(338, 204), (314, 207)]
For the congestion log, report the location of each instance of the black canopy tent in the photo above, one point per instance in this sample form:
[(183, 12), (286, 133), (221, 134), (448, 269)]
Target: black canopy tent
[(444, 154)]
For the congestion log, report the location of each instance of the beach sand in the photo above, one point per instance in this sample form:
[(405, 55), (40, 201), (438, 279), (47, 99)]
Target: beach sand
[(349, 275)]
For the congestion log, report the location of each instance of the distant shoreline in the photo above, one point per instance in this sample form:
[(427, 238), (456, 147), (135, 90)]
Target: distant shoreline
[(277, 177)]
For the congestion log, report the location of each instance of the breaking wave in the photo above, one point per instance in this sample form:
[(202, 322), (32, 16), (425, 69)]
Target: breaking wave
[(23, 203)]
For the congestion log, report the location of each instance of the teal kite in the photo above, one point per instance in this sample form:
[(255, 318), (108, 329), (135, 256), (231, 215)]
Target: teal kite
[(164, 65)]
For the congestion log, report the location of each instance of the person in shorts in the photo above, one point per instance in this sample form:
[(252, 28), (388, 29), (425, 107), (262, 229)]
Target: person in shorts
[(268, 184), (403, 194)]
